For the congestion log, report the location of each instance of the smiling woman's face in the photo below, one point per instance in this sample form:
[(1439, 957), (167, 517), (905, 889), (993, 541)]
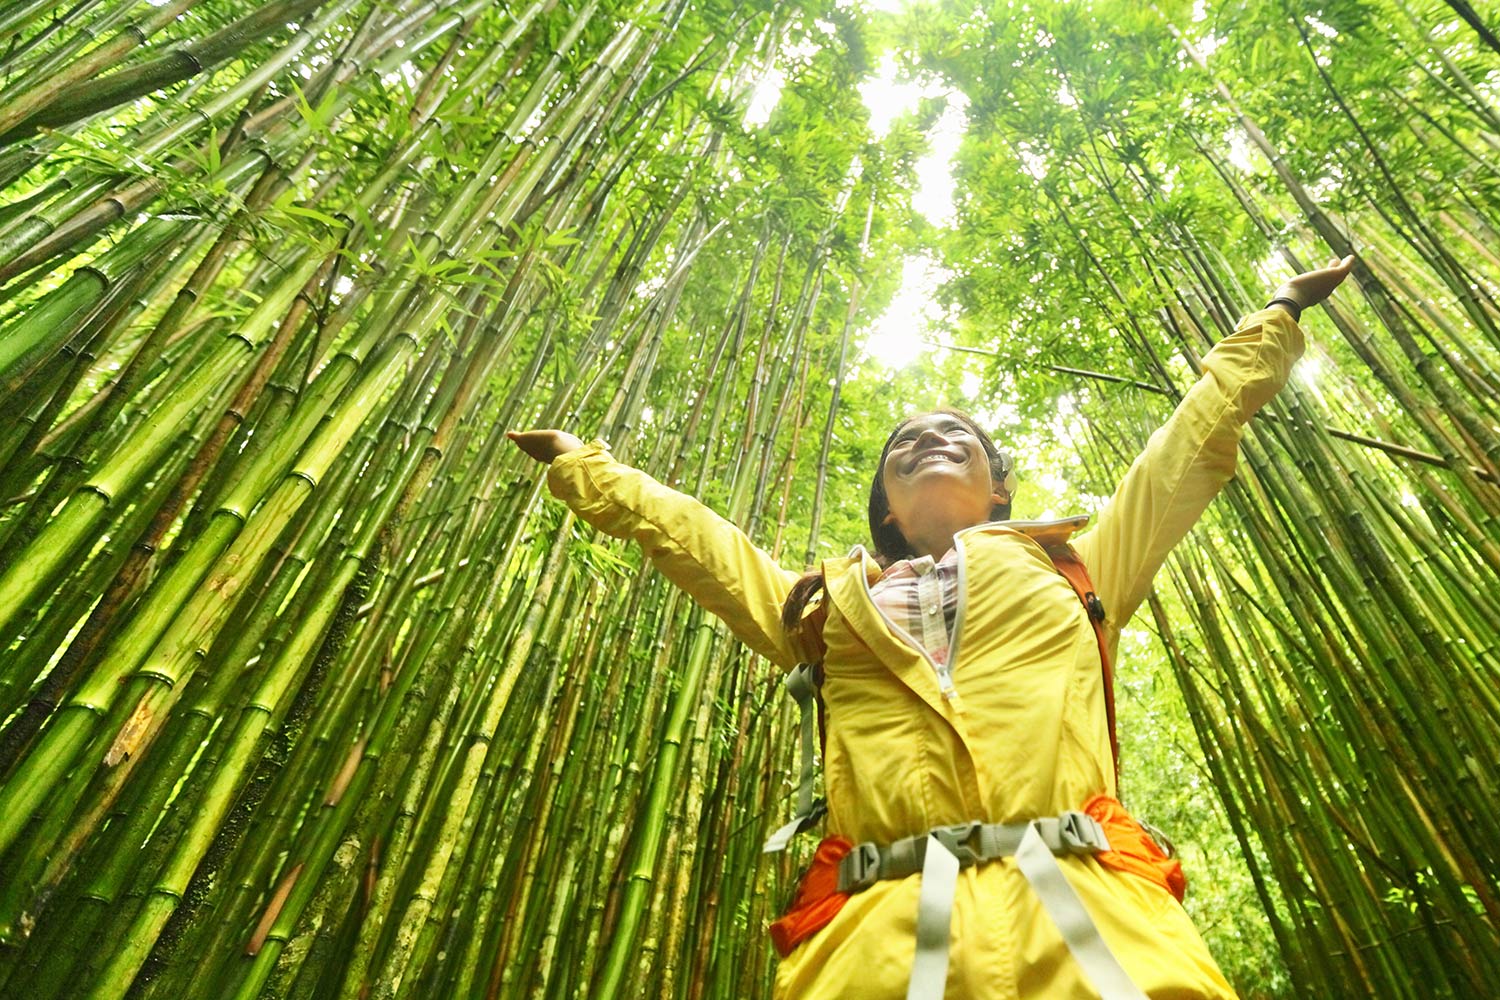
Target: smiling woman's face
[(937, 470)]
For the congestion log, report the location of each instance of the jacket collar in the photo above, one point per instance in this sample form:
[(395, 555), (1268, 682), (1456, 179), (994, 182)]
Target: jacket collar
[(1053, 532)]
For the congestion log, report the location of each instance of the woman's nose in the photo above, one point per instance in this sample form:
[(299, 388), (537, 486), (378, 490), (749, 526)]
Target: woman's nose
[(927, 439)]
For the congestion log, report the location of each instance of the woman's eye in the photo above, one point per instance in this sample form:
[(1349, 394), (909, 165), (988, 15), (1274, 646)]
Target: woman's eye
[(907, 437)]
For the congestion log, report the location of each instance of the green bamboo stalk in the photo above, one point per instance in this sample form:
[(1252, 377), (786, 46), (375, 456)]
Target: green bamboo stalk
[(388, 981), (30, 341), (90, 97), (323, 838), (26, 101), (69, 529), (19, 14), (84, 207), (173, 669)]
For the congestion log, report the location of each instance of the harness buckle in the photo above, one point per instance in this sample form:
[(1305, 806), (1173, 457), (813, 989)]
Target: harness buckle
[(962, 839), (1080, 833), (860, 868), (1162, 840)]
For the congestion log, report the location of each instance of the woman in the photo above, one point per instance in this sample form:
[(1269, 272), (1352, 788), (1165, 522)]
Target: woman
[(962, 683)]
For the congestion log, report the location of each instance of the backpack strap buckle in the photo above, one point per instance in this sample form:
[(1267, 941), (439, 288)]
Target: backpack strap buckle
[(1080, 833), (860, 868), (962, 841)]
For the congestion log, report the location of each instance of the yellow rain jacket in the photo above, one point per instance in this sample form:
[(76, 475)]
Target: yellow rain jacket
[(1026, 734)]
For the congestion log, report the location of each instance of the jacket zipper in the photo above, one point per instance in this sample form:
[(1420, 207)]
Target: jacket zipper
[(958, 612), (944, 671)]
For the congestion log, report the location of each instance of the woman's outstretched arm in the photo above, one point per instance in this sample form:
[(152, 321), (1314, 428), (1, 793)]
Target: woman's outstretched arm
[(1190, 458), (699, 551)]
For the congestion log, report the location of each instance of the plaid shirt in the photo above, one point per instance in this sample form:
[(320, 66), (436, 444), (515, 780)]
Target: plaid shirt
[(920, 597)]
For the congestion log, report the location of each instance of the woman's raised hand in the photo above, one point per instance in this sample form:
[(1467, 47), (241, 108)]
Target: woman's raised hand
[(1309, 289), (544, 445)]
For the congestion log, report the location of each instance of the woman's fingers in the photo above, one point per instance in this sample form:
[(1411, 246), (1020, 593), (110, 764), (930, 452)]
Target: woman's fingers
[(1312, 287)]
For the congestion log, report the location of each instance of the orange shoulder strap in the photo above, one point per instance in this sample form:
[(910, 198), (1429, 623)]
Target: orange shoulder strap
[(1077, 574)]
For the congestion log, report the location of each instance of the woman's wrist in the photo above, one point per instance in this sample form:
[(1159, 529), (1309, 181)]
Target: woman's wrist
[(1288, 303)]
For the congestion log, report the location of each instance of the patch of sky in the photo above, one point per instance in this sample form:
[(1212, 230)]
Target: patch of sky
[(764, 98), (1207, 44), (913, 319), (1242, 155), (1032, 162), (899, 336), (1180, 371), (765, 94), (888, 96), (1322, 28), (989, 412), (1325, 187), (650, 286), (1308, 371), (658, 272)]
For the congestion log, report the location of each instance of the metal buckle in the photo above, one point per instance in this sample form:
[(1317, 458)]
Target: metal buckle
[(1080, 833), (1163, 842), (860, 868), (962, 839)]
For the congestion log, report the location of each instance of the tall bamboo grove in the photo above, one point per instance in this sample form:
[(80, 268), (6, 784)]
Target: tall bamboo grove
[(307, 690), (1155, 170)]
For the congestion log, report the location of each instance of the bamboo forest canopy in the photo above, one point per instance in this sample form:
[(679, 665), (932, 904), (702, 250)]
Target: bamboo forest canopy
[(307, 688)]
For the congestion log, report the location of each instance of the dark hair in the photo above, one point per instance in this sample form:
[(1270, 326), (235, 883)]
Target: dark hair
[(890, 545)]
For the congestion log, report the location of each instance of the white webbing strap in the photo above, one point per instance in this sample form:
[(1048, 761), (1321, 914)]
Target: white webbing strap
[(1067, 911), (929, 969), (1033, 846), (799, 684)]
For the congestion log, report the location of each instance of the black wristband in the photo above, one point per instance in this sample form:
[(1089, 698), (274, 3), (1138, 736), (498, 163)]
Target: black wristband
[(1292, 306)]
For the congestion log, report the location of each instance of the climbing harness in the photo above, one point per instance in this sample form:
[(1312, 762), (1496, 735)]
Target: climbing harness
[(942, 852)]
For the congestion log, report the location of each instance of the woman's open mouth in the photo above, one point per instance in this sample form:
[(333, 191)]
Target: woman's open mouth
[(933, 458)]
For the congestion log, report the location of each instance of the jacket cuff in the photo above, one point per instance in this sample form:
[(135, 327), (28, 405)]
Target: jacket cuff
[(566, 470), (1281, 326)]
